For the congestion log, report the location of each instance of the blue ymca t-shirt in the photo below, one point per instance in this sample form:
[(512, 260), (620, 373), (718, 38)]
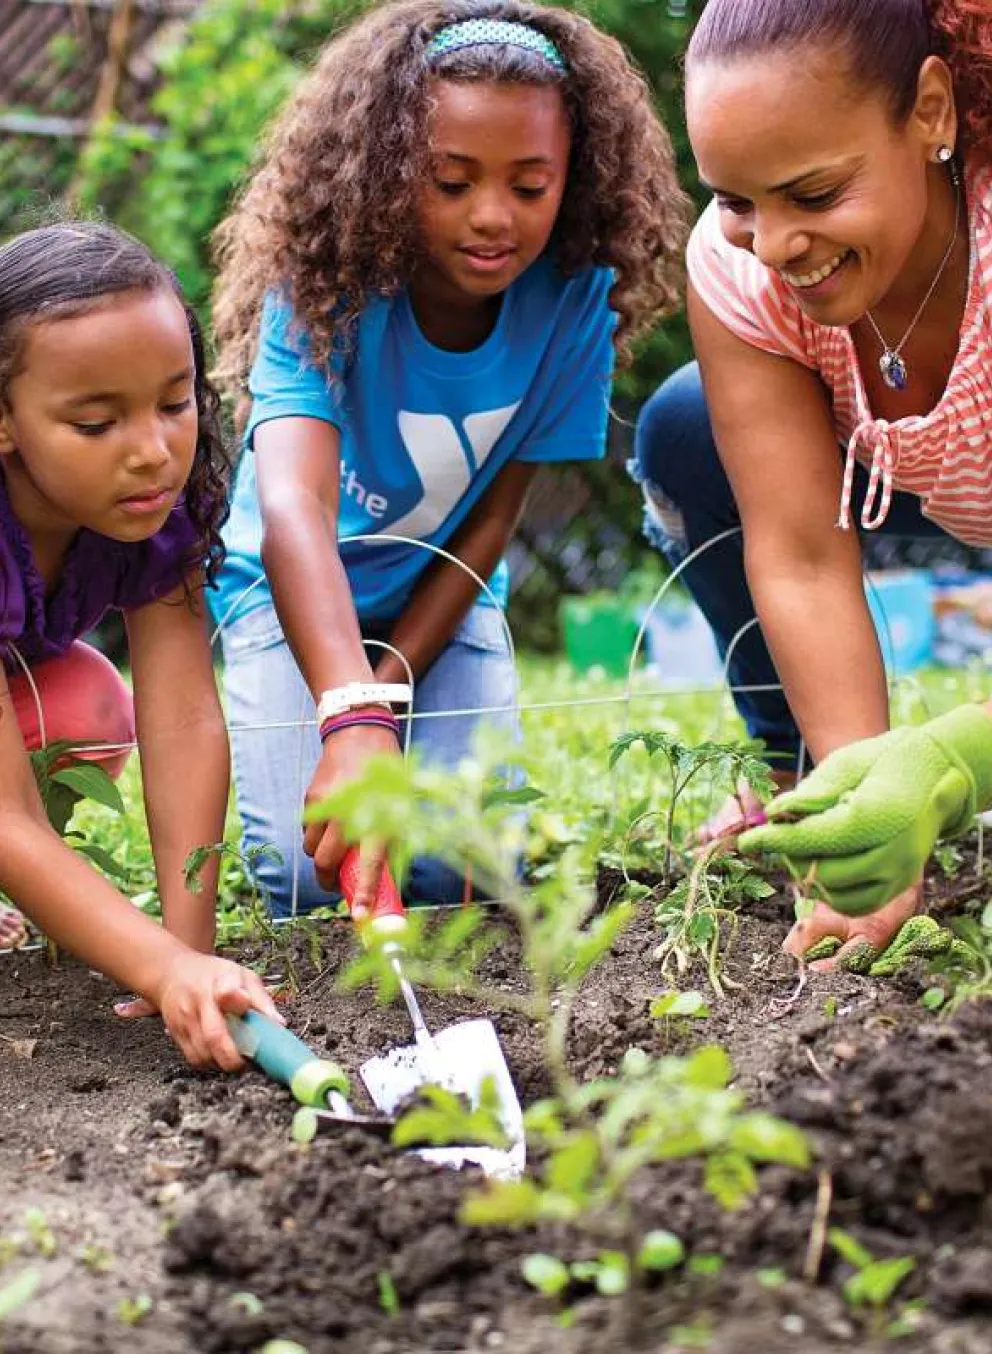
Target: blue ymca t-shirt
[(424, 432)]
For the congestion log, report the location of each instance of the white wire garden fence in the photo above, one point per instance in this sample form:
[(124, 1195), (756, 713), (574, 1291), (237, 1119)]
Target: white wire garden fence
[(636, 691)]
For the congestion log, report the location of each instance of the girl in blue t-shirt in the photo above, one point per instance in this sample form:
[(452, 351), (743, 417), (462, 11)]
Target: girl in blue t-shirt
[(464, 211), (112, 493)]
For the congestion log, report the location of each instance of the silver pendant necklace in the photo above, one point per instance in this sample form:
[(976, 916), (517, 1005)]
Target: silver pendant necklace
[(892, 364)]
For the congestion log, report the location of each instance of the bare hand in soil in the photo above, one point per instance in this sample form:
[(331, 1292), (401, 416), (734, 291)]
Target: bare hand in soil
[(344, 755), (195, 993), (876, 929)]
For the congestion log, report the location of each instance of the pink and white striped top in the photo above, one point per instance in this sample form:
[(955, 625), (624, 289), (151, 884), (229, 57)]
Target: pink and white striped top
[(945, 457)]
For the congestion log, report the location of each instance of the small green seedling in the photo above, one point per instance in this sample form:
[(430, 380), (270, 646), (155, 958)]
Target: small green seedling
[(610, 1272), (283, 1347), (699, 916), (728, 763), (389, 1299), (706, 1266), (874, 1282), (247, 1303), (680, 1006), (772, 1278), (132, 1311), (95, 1258), (41, 1235), (18, 1292)]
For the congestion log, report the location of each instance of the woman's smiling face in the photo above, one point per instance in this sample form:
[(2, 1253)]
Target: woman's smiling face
[(813, 175)]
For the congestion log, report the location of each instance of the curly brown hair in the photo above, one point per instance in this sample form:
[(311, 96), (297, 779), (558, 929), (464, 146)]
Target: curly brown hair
[(330, 215)]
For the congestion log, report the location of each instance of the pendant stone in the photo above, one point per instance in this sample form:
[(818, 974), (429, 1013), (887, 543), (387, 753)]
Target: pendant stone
[(893, 370)]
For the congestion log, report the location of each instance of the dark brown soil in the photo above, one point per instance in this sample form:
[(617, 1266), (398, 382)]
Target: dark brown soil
[(156, 1182)]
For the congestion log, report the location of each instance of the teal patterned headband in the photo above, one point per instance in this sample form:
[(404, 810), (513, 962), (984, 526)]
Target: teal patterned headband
[(494, 33)]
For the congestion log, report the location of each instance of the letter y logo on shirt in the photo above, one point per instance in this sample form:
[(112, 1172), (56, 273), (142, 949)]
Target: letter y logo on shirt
[(444, 463)]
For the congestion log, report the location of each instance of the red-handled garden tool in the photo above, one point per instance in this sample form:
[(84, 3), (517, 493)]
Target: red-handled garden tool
[(460, 1057)]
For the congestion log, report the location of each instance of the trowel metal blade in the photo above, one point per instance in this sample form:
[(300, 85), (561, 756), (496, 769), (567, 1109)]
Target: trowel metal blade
[(471, 1052)]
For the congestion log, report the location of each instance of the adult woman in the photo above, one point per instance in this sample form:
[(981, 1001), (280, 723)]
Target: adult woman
[(839, 305)]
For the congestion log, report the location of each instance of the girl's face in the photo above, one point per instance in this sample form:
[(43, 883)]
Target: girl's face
[(99, 428), (813, 177), (499, 162)]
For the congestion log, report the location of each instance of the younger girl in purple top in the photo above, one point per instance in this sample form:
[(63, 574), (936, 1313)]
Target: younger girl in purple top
[(112, 491)]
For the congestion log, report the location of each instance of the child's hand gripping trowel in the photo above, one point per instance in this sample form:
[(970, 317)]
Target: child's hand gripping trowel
[(460, 1057)]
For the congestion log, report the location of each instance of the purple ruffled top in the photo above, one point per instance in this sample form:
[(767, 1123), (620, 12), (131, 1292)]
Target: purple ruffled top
[(98, 574)]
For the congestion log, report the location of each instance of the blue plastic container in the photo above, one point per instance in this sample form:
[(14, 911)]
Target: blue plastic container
[(901, 604)]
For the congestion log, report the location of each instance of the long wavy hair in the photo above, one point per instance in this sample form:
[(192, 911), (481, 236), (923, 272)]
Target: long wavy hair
[(330, 214), (887, 42), (68, 268)]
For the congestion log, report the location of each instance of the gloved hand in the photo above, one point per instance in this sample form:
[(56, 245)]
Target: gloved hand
[(870, 814)]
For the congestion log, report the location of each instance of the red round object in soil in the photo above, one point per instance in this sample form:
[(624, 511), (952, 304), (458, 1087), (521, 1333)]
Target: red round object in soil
[(83, 699)]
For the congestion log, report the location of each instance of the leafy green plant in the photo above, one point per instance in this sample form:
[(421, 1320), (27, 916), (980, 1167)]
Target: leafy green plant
[(965, 969), (591, 1139), (252, 920), (728, 764), (698, 917), (874, 1282), (64, 781)]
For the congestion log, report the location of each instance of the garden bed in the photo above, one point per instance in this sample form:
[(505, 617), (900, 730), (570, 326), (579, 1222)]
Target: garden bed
[(173, 1212)]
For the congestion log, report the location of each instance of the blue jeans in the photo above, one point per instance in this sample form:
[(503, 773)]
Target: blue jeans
[(273, 766), (688, 500)]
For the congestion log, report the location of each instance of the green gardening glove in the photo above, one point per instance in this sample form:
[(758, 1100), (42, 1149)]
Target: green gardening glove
[(870, 814)]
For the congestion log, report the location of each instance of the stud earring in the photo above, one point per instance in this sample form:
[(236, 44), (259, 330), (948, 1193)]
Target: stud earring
[(945, 155)]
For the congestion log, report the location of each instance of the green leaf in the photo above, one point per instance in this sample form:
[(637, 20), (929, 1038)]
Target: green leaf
[(389, 1299), (730, 1178), (90, 781), (546, 1273), (986, 919), (933, 998), (849, 1249), (19, 1291), (613, 1277), (706, 1266), (763, 1137), (709, 1068), (99, 857), (543, 1119), (283, 1347), (445, 1119), (574, 1164), (689, 1004), (660, 1250), (600, 937), (523, 794), (504, 1203), (772, 1278), (876, 1283)]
